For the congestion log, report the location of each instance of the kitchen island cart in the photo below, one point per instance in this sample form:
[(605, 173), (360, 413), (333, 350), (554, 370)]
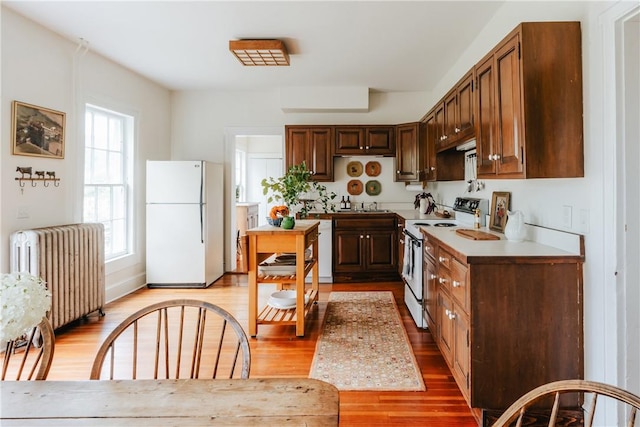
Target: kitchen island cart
[(267, 241)]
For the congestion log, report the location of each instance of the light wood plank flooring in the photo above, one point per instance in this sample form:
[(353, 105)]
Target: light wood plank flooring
[(277, 352)]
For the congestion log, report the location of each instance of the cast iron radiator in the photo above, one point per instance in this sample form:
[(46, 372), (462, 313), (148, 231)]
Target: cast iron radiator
[(70, 258)]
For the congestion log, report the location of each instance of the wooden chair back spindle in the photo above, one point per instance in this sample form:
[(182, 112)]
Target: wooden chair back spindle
[(518, 410), (24, 360), (167, 332)]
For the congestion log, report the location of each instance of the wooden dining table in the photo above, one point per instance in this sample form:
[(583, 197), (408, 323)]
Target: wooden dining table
[(201, 402)]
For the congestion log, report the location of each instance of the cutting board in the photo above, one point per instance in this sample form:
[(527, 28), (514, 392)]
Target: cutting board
[(476, 235)]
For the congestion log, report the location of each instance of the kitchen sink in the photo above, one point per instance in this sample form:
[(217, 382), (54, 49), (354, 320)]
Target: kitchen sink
[(367, 211), (339, 212)]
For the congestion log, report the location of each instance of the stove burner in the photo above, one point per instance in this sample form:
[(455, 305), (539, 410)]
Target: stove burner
[(444, 224), (422, 224)]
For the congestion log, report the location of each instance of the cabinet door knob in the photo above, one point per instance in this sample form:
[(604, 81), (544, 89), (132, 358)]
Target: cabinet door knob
[(368, 237), (433, 168), (398, 172), (441, 259), (451, 315), (496, 157), (433, 277), (442, 281), (361, 236), (457, 130), (362, 148), (366, 147), (456, 284)]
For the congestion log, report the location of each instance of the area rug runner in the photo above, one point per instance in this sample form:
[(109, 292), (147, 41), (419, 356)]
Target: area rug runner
[(364, 346)]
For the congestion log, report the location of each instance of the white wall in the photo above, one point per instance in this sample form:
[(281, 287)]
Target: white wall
[(42, 68)]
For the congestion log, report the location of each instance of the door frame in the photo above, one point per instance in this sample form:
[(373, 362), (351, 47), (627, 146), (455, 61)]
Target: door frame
[(621, 295)]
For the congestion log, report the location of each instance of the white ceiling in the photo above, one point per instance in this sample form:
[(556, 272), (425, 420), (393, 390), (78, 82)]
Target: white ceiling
[(386, 46)]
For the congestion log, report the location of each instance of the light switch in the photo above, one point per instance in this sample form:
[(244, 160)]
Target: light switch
[(566, 216)]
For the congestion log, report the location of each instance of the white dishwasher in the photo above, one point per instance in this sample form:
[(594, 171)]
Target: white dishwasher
[(325, 251)]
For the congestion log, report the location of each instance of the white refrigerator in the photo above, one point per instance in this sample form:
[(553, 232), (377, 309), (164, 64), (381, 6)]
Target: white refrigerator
[(185, 223)]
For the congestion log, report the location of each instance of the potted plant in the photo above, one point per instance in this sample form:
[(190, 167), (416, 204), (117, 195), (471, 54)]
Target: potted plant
[(297, 188), (425, 202)]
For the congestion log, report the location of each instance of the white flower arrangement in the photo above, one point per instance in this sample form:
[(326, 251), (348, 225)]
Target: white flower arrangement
[(24, 301)]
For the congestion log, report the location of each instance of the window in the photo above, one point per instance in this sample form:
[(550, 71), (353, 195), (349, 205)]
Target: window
[(107, 175)]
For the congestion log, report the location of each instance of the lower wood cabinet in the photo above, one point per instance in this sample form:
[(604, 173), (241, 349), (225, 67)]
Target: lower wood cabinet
[(504, 325), (400, 236), (365, 247), (246, 217)]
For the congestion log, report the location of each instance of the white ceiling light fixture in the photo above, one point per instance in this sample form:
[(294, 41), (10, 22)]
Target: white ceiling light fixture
[(260, 52)]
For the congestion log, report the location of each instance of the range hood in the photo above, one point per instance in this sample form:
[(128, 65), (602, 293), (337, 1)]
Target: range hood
[(469, 145)]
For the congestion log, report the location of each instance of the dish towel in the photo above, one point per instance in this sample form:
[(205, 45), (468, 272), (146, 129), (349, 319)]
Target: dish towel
[(407, 261)]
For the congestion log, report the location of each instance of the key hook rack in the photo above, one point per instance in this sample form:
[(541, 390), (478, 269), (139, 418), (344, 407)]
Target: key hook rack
[(46, 177)]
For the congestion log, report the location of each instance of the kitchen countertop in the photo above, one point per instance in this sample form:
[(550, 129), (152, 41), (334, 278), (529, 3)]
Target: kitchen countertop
[(474, 250), (405, 214), (414, 214), (484, 250)]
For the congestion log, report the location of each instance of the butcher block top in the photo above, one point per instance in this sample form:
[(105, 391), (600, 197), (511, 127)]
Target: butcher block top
[(476, 234), (302, 226)]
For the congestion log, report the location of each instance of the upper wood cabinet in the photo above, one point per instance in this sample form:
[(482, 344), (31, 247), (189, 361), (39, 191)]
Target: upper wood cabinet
[(365, 140), (465, 108), (446, 165), (409, 152), (455, 114), (529, 104), (314, 146)]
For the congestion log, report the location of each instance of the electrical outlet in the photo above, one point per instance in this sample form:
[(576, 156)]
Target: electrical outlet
[(583, 220), (23, 212), (566, 216)]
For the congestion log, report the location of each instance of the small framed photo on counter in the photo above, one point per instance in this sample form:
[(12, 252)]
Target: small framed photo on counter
[(499, 208)]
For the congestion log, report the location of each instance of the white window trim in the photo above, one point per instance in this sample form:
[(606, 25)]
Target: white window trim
[(136, 256)]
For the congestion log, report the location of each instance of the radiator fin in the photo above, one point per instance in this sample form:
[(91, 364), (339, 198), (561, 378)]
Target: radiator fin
[(70, 259)]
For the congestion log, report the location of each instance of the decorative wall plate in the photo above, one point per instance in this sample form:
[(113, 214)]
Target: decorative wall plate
[(354, 187), (373, 187), (373, 168), (354, 168)]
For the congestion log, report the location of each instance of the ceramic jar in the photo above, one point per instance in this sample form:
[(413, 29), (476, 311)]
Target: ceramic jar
[(514, 230), (423, 206), (288, 222)]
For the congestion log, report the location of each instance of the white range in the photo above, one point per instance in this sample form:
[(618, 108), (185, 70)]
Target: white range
[(412, 270)]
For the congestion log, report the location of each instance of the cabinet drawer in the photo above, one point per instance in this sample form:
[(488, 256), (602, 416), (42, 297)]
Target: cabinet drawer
[(444, 258), (365, 223), (430, 248), (311, 238), (444, 279), (459, 284)]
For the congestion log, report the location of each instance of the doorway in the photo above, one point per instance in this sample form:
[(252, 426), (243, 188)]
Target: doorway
[(253, 154)]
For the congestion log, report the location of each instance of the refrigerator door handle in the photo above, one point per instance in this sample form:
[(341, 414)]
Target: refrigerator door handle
[(201, 223)]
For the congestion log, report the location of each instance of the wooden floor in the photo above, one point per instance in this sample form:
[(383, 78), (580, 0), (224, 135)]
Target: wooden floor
[(276, 352)]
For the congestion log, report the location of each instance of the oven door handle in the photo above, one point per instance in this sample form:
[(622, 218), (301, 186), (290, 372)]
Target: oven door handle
[(414, 241)]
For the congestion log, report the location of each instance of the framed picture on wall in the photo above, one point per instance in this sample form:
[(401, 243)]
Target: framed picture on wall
[(37, 131), (499, 208)]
